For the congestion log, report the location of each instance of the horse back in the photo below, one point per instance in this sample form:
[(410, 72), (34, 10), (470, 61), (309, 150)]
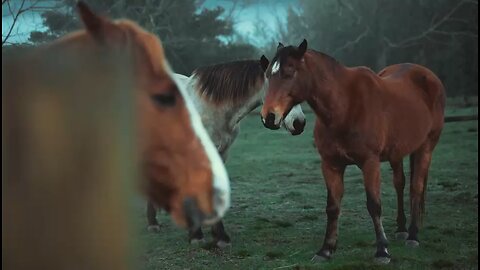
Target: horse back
[(419, 80)]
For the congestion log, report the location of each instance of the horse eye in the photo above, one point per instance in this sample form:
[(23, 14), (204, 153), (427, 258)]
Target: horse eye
[(164, 100)]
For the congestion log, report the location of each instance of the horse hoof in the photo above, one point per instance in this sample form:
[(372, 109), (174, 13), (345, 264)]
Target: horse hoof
[(222, 244), (197, 242), (382, 260), (401, 235), (412, 243), (319, 258), (153, 228)]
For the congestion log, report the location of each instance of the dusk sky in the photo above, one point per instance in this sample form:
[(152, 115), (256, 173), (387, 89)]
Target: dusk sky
[(246, 18)]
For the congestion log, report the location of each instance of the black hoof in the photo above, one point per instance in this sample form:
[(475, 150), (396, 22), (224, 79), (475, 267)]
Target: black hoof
[(382, 260), (197, 242), (382, 257), (322, 256), (222, 241), (153, 228), (222, 244), (412, 243)]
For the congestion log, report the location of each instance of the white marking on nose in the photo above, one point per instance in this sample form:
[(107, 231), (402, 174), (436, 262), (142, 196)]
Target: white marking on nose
[(221, 182), (275, 67), (278, 119), (295, 113)]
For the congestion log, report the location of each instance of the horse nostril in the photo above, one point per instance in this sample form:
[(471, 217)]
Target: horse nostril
[(298, 126), (269, 121)]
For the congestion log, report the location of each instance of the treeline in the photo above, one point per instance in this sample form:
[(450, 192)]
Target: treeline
[(440, 34), (191, 36)]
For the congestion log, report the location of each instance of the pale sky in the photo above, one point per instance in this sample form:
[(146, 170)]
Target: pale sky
[(248, 17)]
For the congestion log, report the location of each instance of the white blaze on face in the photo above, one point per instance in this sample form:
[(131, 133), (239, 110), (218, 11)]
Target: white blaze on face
[(295, 113), (275, 67), (221, 182)]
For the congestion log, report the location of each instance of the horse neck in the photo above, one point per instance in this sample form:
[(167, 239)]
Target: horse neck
[(232, 114), (324, 87), (237, 113)]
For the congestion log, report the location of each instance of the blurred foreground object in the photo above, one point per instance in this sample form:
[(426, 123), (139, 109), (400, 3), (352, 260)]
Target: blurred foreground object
[(67, 160)]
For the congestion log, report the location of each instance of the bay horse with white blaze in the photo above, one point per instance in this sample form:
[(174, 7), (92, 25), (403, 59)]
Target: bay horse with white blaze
[(224, 94), (363, 119), (184, 173)]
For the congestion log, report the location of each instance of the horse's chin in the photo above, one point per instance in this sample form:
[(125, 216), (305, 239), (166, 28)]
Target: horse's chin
[(295, 132)]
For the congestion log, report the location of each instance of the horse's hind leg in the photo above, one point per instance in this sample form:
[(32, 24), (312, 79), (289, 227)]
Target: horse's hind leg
[(371, 175), (220, 237), (399, 184), (420, 162)]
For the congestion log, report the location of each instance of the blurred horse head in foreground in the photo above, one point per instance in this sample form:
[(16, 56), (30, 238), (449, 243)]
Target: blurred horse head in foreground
[(79, 114)]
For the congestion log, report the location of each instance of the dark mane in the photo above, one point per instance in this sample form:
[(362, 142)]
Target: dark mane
[(232, 82)]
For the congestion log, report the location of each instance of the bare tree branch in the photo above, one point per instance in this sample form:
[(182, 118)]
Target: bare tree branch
[(432, 29), (15, 16), (353, 42)]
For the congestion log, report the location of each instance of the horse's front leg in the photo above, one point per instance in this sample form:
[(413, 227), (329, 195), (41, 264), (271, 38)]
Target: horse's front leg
[(196, 236), (371, 175), (333, 176), (220, 237), (153, 225)]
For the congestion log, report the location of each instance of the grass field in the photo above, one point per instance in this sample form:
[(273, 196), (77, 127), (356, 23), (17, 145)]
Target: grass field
[(277, 219)]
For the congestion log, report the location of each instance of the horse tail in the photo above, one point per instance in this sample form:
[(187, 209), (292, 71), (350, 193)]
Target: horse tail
[(421, 204)]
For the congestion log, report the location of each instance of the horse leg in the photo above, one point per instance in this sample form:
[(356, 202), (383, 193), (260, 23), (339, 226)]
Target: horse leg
[(399, 183), (333, 176), (371, 175), (153, 225), (196, 236), (421, 162), (220, 237)]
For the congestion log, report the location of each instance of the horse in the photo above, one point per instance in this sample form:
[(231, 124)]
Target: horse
[(179, 166), (224, 94), (363, 119)]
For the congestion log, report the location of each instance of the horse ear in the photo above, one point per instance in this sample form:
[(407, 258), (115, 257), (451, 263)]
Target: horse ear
[(100, 28), (302, 48), (280, 46), (264, 62)]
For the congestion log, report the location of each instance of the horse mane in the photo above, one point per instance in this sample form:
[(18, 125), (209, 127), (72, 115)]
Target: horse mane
[(232, 82)]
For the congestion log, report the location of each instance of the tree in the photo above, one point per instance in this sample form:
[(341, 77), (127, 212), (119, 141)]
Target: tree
[(191, 37), (13, 11), (440, 34)]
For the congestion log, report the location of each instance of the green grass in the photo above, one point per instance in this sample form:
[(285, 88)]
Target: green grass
[(277, 219)]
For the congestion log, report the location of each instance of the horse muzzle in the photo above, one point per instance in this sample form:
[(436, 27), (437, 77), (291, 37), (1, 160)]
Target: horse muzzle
[(270, 121)]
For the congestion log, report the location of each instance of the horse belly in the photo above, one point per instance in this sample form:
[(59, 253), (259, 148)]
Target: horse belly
[(406, 139)]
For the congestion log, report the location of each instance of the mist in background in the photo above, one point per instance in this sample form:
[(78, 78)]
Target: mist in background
[(440, 34)]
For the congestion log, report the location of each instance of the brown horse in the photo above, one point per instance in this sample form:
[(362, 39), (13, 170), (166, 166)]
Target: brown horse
[(363, 119), (183, 171)]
